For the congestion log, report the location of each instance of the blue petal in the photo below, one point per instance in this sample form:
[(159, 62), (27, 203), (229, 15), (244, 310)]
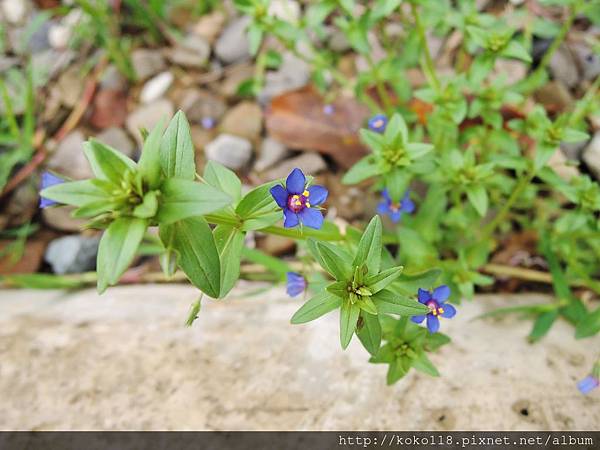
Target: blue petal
[(441, 293), (449, 311), (317, 195), (588, 384), (296, 181), (295, 284), (280, 195), (383, 208), (433, 323), (423, 296), (396, 216), (291, 218), (417, 319), (311, 218), (48, 180), (386, 195), (378, 123), (45, 203), (407, 204)]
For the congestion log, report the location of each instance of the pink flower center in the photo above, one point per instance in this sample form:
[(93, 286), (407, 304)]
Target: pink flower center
[(434, 307), (297, 202)]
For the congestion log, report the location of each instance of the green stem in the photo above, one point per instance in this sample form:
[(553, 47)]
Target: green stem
[(428, 66), (380, 86)]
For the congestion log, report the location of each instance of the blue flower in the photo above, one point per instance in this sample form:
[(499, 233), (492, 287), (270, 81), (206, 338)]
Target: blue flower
[(295, 284), (208, 123), (395, 210), (378, 123), (299, 201), (436, 302), (49, 180), (328, 109), (588, 384)]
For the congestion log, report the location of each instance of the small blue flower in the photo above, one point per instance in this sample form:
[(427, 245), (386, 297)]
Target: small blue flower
[(588, 384), (208, 123), (395, 210), (49, 180), (299, 201), (328, 109), (436, 302), (295, 284), (378, 123)]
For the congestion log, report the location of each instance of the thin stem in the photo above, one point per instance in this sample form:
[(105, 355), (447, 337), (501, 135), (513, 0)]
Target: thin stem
[(428, 66), (380, 86)]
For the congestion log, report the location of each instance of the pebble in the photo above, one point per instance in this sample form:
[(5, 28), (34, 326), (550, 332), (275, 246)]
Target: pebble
[(591, 156), (229, 86), (70, 86), (292, 74), (563, 67), (61, 33), (232, 45), (113, 79), (588, 61), (271, 152), (231, 151), (118, 139), (310, 163), (72, 254), (192, 52), (288, 10), (68, 159), (244, 120), (209, 26), (60, 218), (14, 11), (147, 63), (147, 116), (200, 104), (156, 87)]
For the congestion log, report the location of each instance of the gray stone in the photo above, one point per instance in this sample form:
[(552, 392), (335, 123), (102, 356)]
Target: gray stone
[(591, 155), (271, 152), (72, 254), (68, 159), (15, 11), (49, 63), (112, 79), (199, 104), (60, 34), (563, 67), (148, 116), (156, 87), (39, 40), (192, 52), (7, 62), (118, 139), (244, 120), (70, 85), (210, 25), (292, 74), (338, 41), (232, 45), (231, 151), (147, 62), (588, 61), (310, 163), (138, 368)]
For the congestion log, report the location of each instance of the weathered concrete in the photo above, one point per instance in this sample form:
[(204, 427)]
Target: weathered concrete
[(124, 361)]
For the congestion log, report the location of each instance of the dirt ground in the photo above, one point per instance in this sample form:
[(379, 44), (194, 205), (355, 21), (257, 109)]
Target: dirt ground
[(124, 361)]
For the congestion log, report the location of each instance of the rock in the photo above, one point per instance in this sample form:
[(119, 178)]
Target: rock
[(276, 245), (233, 45), (559, 162), (288, 10), (22, 204), (31, 258), (231, 151), (51, 62), (68, 159), (72, 254), (244, 120), (201, 136), (109, 109), (156, 87), (311, 163), (60, 34), (271, 152), (292, 74), (7, 62), (60, 218), (563, 67), (554, 96), (147, 62), (209, 26), (15, 11), (234, 78), (147, 116), (192, 52), (512, 69), (39, 40), (591, 156), (589, 62), (70, 85), (338, 42), (118, 139), (199, 104), (112, 79)]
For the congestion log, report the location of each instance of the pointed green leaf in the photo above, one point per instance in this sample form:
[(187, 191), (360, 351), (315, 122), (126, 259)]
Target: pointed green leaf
[(542, 325), (478, 197), (376, 283), (148, 207), (423, 364), (149, 164), (369, 247), (389, 303), (319, 305), (224, 179), (339, 288), (370, 333), (106, 162), (230, 242), (335, 261), (348, 318), (79, 193), (363, 169), (177, 155)]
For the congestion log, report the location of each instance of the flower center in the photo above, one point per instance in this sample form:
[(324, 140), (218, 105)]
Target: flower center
[(395, 207), (297, 202), (434, 308)]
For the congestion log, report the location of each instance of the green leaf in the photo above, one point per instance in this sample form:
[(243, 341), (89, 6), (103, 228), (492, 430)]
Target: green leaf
[(376, 283), (589, 326), (79, 193), (396, 371), (224, 179), (365, 168), (255, 36), (257, 202), (117, 249), (339, 288), (396, 127), (423, 364), (230, 242), (148, 207), (194, 311), (150, 162), (319, 305), (408, 284), (106, 162), (573, 135), (542, 325), (348, 318), (334, 261), (263, 221), (389, 303), (183, 198), (373, 140), (198, 257), (515, 50), (396, 182), (417, 150), (177, 150), (370, 333), (42, 281), (369, 247), (478, 197)]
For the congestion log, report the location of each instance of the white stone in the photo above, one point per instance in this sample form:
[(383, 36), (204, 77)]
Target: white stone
[(14, 11), (309, 162), (233, 45), (148, 116), (231, 151), (591, 155), (288, 10), (156, 87), (271, 152)]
